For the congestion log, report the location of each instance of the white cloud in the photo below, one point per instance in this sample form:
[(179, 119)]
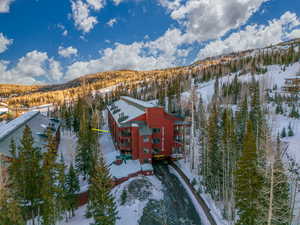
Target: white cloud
[(161, 53), (63, 28), (30, 69), (55, 70), (111, 22), (117, 2), (210, 19), (96, 4), (67, 52), (81, 16), (32, 64), (255, 36), (65, 33), (4, 42), (295, 34), (5, 5)]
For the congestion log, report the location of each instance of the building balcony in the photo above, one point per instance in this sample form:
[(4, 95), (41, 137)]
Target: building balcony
[(125, 134), (124, 146)]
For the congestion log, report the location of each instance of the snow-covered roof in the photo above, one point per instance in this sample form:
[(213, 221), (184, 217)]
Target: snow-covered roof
[(14, 130), (128, 108), (138, 102), (16, 123), (121, 108)]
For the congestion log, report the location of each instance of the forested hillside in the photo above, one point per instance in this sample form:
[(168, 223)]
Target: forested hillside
[(251, 60)]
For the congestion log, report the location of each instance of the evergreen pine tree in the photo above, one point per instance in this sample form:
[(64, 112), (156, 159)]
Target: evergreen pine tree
[(290, 131), (242, 117), (248, 181), (283, 133), (256, 114), (215, 169), (49, 183), (84, 155), (294, 113), (123, 197), (26, 176), (62, 201), (72, 187), (101, 207), (10, 212)]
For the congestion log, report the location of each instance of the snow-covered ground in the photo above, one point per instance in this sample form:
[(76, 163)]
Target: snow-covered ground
[(130, 212), (67, 146)]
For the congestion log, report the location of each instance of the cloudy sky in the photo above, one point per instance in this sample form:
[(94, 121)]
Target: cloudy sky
[(52, 41)]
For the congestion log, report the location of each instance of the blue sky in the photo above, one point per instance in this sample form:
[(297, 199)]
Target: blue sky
[(52, 41)]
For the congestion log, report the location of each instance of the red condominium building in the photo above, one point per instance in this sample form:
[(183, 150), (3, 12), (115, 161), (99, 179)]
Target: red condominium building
[(142, 130)]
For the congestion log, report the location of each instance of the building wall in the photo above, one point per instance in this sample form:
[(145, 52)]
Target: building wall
[(154, 118)]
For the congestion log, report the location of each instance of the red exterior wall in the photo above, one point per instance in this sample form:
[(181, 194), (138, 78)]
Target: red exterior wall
[(154, 118)]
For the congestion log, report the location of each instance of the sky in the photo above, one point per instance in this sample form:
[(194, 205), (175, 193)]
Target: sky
[(54, 41)]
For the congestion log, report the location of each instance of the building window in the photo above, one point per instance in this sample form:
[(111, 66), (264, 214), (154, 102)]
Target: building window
[(156, 150), (146, 151), (156, 140), (146, 139), (156, 130)]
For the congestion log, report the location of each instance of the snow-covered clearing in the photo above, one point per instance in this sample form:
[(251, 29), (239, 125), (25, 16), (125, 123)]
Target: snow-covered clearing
[(67, 146)]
